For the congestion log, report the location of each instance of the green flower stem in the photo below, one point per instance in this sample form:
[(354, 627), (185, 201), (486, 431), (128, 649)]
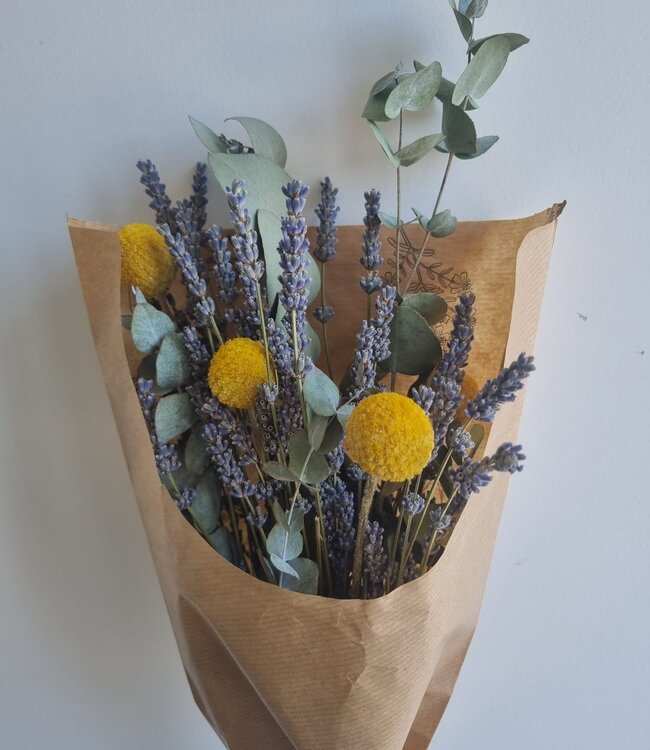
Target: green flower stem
[(425, 560), (322, 304), (215, 329), (364, 512), (405, 554), (296, 364), (368, 309), (235, 529), (427, 236), (326, 555), (393, 552)]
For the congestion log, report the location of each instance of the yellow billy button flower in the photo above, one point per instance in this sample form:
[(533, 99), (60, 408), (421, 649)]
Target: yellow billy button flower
[(146, 261), (237, 370), (389, 436)]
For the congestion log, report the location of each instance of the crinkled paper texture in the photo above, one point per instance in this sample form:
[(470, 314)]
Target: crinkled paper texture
[(276, 670)]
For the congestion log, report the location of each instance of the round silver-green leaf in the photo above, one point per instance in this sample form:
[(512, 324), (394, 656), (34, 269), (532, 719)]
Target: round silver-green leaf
[(149, 327), (174, 416), (266, 141), (414, 92), (483, 70)]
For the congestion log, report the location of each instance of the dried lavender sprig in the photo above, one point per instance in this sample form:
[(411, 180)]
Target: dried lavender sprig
[(165, 454), (200, 195), (287, 404), (371, 259), (500, 390), (326, 211), (249, 264), (455, 358), (375, 560), (189, 231), (198, 355), (204, 307), (446, 403), (157, 191), (385, 306), (224, 270), (294, 279), (373, 341), (338, 515)]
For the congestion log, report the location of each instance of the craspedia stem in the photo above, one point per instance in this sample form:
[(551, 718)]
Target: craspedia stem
[(364, 513)]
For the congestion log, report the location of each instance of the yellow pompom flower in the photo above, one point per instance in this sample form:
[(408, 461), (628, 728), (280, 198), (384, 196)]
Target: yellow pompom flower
[(237, 370), (389, 436), (146, 262)]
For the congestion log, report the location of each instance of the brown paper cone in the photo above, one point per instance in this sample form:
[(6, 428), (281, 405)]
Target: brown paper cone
[(275, 670)]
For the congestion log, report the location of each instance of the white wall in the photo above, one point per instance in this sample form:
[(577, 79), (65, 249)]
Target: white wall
[(561, 656)]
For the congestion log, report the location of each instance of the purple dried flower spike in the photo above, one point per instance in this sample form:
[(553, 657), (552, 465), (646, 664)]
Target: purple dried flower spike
[(371, 259), (326, 212), (500, 390), (157, 191), (199, 197)]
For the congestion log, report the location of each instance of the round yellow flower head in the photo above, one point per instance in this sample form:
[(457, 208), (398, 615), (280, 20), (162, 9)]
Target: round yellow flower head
[(236, 372), (389, 436), (146, 262), (468, 390)]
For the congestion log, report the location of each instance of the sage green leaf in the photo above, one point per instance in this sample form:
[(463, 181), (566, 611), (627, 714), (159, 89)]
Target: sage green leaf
[(415, 92), (266, 141), (196, 456), (483, 70), (312, 350), (442, 224), (473, 8), (316, 430), (208, 137), (174, 415), (284, 567), (299, 451), (375, 109), (284, 544), (464, 24), (414, 346), (316, 471), (459, 130), (321, 392), (126, 321), (140, 299), (388, 221), (147, 370), (344, 413), (279, 515), (264, 179), (483, 144), (332, 438), (172, 363), (431, 307), (515, 41), (416, 150), (385, 84), (270, 228), (149, 327), (446, 90), (307, 581), (278, 471), (385, 146), (206, 506), (221, 541)]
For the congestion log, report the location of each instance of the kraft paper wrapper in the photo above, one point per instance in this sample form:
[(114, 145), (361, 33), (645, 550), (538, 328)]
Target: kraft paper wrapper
[(275, 670)]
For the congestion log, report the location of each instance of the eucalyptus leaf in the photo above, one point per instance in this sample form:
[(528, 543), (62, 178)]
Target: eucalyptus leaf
[(207, 503), (375, 109), (316, 470), (483, 70), (299, 451), (147, 370), (174, 415), (266, 141), (208, 137), (126, 322), (270, 228), (387, 220), (414, 347), (415, 92), (385, 146), (279, 515), (321, 392), (464, 24), (483, 144), (221, 541), (316, 430), (149, 327), (385, 84), (283, 544), (446, 90), (279, 471), (172, 363), (264, 179), (196, 456), (307, 581), (332, 438), (473, 8), (284, 567), (459, 130), (415, 151), (515, 40), (431, 307), (442, 224), (140, 299), (312, 350)]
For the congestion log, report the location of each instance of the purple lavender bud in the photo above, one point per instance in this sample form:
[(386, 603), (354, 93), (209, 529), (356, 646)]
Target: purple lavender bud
[(200, 195), (375, 559), (384, 304), (224, 271), (371, 259), (338, 516), (500, 390), (412, 504), (447, 400), (460, 441), (508, 458), (326, 212), (156, 190), (261, 516), (324, 313), (184, 497), (470, 476), (454, 360), (424, 397)]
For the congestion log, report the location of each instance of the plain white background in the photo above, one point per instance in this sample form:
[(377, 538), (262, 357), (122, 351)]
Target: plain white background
[(561, 654)]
